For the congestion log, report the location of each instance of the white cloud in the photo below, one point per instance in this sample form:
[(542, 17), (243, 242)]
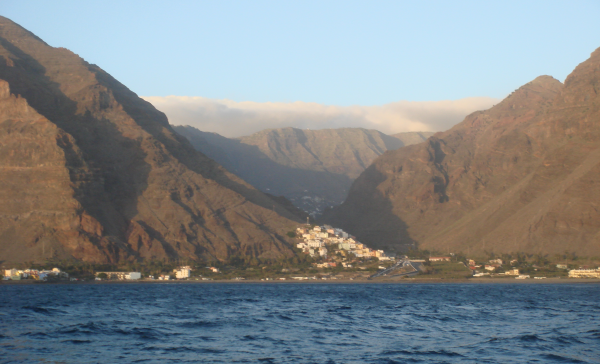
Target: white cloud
[(234, 119)]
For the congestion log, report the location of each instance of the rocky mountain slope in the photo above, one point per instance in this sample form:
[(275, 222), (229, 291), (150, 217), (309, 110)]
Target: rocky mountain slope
[(521, 176), (92, 172), (412, 137), (312, 168)]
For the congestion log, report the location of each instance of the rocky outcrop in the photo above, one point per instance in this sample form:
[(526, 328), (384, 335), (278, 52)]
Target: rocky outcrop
[(90, 171), (518, 177), (312, 168)]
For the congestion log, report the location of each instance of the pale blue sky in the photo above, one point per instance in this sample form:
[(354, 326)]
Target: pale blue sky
[(329, 52)]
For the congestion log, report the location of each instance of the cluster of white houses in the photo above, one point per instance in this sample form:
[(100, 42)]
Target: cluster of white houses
[(317, 240), (42, 275), (179, 273)]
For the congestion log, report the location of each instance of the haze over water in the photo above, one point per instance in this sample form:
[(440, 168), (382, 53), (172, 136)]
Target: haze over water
[(300, 323)]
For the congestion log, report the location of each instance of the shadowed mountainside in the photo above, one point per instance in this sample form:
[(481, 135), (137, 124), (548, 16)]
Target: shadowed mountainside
[(90, 171), (520, 176), (312, 168)]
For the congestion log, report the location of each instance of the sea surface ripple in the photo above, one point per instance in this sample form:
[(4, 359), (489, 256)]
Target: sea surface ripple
[(300, 323)]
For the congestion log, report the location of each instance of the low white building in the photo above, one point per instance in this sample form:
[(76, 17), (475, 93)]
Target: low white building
[(133, 275), (122, 275), (10, 272), (584, 273)]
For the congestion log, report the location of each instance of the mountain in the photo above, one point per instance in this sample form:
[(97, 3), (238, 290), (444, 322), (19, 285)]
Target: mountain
[(312, 168), (412, 137), (92, 172), (519, 177)]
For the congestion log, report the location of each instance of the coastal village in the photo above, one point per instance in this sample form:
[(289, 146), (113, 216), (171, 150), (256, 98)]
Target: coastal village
[(334, 254), (323, 240)]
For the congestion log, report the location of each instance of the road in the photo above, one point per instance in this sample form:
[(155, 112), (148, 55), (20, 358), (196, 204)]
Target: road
[(402, 263)]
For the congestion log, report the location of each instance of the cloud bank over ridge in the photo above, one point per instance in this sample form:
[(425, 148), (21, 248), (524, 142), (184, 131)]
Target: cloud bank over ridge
[(235, 119)]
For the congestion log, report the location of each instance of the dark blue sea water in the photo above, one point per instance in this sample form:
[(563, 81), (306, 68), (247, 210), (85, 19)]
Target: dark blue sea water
[(300, 323)]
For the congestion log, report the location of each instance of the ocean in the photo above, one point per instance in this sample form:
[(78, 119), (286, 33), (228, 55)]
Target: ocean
[(300, 323)]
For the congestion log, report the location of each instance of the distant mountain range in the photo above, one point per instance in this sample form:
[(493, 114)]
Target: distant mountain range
[(314, 169), (522, 176), (90, 171)]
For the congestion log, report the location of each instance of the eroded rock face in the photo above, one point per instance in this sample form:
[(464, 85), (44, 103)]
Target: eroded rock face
[(91, 171), (520, 176)]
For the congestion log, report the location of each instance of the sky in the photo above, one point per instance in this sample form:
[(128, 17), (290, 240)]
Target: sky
[(329, 53), (234, 119)]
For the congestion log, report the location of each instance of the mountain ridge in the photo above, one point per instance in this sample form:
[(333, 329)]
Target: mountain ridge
[(508, 179), (137, 189)]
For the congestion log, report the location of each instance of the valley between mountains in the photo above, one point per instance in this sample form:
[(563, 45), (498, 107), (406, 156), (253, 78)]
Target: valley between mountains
[(314, 169), (90, 172)]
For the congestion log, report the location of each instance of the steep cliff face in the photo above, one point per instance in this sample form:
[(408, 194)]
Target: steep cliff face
[(93, 172), (518, 177), (312, 168)]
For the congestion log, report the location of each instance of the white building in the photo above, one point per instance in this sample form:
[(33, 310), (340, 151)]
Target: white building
[(323, 252), (121, 275), (341, 233), (315, 243), (10, 272), (182, 272), (584, 273), (133, 275)]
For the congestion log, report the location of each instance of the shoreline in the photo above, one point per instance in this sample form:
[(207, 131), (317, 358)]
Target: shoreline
[(338, 281)]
